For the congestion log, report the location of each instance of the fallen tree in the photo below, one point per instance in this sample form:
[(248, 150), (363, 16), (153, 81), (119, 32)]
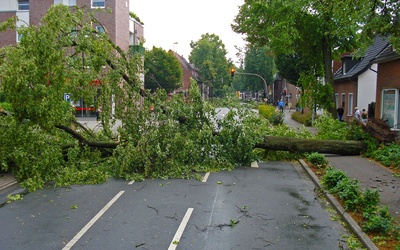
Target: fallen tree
[(295, 145)]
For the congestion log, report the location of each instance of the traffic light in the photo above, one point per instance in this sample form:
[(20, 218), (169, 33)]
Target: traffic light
[(232, 72)]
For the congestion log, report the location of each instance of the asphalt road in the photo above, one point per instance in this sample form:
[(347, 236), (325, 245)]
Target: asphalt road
[(270, 207)]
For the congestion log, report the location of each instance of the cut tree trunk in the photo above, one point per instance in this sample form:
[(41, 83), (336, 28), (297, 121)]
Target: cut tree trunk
[(296, 145)]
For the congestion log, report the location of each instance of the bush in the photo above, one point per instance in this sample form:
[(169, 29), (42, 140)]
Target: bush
[(303, 118), (369, 199), (349, 192), (271, 114), (388, 155), (332, 177), (330, 128), (378, 221), (317, 159)]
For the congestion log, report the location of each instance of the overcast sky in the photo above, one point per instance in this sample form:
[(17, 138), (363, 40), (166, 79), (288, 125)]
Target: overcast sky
[(183, 21)]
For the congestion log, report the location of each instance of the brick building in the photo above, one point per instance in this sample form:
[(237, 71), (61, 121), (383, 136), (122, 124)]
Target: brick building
[(123, 30)]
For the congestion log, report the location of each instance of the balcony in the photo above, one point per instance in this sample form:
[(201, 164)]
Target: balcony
[(136, 49)]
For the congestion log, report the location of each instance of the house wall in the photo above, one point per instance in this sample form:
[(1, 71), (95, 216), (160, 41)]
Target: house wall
[(346, 87), (8, 37), (388, 77), (367, 88), (116, 23)]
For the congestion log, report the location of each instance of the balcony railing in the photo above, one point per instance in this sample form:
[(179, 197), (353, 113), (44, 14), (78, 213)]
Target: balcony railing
[(136, 49)]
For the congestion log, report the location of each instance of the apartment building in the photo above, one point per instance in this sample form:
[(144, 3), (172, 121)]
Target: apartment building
[(123, 30)]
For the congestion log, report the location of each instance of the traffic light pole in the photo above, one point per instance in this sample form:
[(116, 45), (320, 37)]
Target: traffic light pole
[(253, 74)]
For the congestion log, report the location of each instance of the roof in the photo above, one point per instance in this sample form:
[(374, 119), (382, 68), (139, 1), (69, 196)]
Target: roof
[(188, 66), (387, 55), (379, 45)]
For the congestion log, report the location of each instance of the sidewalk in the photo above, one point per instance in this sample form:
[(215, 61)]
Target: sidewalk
[(370, 174)]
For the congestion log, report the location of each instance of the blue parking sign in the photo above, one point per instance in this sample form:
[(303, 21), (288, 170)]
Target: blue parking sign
[(67, 97)]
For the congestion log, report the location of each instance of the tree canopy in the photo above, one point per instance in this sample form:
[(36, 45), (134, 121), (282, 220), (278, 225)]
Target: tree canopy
[(209, 56), (42, 141), (320, 30), (162, 70)]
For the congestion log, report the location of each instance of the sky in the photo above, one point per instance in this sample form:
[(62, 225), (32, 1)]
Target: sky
[(173, 24)]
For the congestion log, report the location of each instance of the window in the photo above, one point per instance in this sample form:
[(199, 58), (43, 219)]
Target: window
[(390, 109), (66, 2), (98, 3), (19, 37), (336, 100), (343, 99), (350, 105), (23, 4), (100, 29)]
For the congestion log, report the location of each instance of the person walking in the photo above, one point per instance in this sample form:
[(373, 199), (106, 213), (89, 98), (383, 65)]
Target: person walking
[(340, 112), (364, 116), (281, 105), (357, 114)]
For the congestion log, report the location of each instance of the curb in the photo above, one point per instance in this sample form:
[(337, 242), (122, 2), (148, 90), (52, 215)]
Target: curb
[(355, 228)]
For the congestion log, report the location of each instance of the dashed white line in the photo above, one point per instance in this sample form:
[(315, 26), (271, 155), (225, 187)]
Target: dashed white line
[(131, 182), (179, 232), (206, 177), (72, 242)]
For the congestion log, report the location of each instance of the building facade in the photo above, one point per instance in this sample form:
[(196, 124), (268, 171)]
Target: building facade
[(355, 80), (124, 30), (388, 87), (121, 28)]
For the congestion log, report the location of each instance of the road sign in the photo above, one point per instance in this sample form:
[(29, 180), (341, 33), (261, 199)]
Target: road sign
[(67, 97)]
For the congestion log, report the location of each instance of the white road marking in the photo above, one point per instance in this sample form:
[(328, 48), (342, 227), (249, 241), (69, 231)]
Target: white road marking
[(92, 221), (206, 177), (131, 182), (179, 232), (254, 164)]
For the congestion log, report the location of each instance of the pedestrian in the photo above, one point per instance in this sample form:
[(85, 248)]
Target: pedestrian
[(290, 106), (281, 105), (98, 112), (357, 114), (340, 112), (364, 116)]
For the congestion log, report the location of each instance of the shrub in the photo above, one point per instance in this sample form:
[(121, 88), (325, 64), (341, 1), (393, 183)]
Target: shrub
[(304, 118), (369, 199), (330, 128), (378, 221), (349, 192), (332, 177), (388, 155), (271, 114), (317, 159)]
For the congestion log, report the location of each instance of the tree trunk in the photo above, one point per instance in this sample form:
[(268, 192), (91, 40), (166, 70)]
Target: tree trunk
[(311, 145)]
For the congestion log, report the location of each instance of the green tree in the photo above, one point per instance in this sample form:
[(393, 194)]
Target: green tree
[(257, 61), (209, 56), (162, 70), (320, 30), (42, 141), (383, 19)]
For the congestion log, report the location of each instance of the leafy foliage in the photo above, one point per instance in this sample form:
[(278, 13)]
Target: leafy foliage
[(378, 221), (209, 56), (317, 159), (162, 70), (271, 114), (377, 218), (388, 155)]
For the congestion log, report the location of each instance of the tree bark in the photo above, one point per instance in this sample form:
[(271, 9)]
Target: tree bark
[(295, 145)]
